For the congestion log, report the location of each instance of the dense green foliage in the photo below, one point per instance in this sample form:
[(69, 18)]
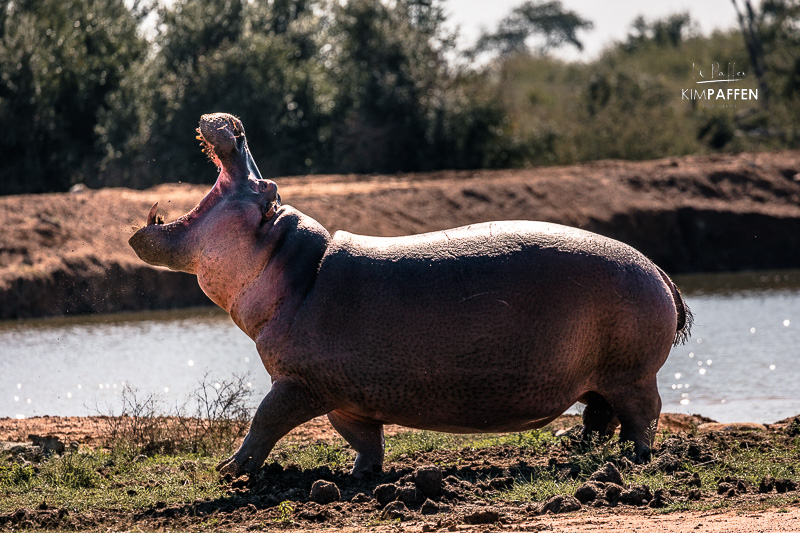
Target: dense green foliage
[(60, 60), (104, 93)]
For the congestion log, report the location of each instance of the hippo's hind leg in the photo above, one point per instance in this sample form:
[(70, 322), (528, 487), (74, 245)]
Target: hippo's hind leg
[(598, 417), (284, 408), (637, 406), (365, 436)]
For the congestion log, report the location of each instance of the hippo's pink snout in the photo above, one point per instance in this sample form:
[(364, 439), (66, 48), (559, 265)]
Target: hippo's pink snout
[(161, 244)]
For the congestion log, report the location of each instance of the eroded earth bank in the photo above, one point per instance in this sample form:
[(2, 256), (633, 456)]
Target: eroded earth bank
[(68, 253)]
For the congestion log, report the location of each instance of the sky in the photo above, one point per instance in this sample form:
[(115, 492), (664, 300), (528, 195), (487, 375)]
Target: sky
[(612, 18)]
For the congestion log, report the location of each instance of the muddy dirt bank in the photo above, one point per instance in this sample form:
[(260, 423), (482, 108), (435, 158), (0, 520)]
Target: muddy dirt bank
[(68, 253), (697, 480)]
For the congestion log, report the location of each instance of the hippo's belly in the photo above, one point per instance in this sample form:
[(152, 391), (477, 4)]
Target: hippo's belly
[(497, 326)]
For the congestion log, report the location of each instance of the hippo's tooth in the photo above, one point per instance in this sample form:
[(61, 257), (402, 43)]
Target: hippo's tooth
[(151, 217)]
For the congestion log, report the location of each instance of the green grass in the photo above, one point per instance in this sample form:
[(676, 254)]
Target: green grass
[(540, 486), (747, 459), (93, 480), (101, 479), (411, 442), (308, 456)]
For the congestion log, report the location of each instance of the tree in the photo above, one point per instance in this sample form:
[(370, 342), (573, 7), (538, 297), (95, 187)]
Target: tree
[(669, 31), (755, 48), (59, 60), (251, 59), (548, 21)]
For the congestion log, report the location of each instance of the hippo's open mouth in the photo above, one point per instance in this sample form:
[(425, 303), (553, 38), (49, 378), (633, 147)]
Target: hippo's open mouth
[(207, 148), (177, 244)]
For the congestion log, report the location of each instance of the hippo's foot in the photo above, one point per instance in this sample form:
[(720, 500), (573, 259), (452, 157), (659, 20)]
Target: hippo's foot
[(637, 407), (283, 409), (365, 436), (599, 419), (244, 461)]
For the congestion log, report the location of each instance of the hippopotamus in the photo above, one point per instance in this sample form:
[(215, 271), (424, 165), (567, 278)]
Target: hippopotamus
[(491, 327)]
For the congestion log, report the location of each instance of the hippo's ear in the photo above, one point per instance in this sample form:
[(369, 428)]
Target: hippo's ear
[(224, 141), (270, 200)]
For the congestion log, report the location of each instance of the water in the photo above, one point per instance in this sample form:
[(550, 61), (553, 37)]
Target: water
[(741, 363), (80, 365)]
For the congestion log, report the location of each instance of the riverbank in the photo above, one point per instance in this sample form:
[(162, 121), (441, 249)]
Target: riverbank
[(68, 253), (703, 476)]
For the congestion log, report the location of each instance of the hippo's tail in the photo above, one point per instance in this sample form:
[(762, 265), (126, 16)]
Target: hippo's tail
[(685, 316)]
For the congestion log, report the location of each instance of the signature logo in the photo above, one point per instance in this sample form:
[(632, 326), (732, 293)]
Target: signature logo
[(717, 74)]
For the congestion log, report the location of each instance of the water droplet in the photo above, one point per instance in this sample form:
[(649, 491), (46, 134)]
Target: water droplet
[(709, 361), (246, 359), (772, 367), (217, 386), (702, 371), (699, 340), (677, 375), (80, 386), (691, 355), (69, 395), (752, 330), (674, 386), (685, 385), (19, 385), (680, 386), (20, 417), (114, 385), (684, 395), (699, 363), (28, 400), (108, 386), (723, 401), (100, 386), (786, 323), (249, 385), (190, 362), (166, 389), (685, 401), (16, 398)]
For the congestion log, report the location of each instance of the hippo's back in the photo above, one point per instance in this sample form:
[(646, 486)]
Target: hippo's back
[(504, 304), (518, 259)]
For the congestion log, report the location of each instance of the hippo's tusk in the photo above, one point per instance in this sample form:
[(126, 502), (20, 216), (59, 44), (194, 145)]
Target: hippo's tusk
[(151, 217)]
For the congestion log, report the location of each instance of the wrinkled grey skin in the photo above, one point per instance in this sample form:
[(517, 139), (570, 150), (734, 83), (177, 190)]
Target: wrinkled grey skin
[(499, 326)]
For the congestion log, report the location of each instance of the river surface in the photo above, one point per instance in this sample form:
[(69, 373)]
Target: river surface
[(741, 364)]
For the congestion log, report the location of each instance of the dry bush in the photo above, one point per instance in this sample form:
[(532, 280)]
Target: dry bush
[(210, 422)]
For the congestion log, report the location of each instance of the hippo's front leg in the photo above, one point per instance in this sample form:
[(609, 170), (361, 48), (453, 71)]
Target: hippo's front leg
[(284, 408)]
